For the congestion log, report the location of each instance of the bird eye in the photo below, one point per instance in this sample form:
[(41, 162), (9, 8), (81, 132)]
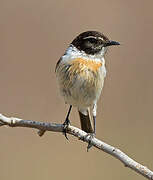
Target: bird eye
[(92, 40)]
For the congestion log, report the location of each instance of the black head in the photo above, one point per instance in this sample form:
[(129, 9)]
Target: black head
[(92, 42)]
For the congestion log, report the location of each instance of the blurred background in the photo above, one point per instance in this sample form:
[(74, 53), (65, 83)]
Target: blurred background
[(33, 36)]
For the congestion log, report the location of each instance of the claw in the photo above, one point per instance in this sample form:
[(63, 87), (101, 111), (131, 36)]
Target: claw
[(66, 124), (91, 136)]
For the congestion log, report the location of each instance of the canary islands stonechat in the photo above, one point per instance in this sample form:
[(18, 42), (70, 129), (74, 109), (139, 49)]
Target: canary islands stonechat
[(80, 73)]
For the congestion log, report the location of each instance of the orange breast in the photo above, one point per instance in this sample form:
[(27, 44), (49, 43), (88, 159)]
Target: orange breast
[(80, 64)]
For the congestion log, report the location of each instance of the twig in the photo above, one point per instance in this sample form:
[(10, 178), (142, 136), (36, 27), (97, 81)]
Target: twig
[(43, 126)]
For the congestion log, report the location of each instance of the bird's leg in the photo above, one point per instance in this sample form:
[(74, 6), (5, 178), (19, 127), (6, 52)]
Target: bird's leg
[(92, 135), (94, 121), (67, 122)]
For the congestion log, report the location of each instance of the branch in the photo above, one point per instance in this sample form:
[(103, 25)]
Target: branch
[(43, 126)]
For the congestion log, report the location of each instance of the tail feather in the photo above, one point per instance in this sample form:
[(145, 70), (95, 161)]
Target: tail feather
[(85, 122)]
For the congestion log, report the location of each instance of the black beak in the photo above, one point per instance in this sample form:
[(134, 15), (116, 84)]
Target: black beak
[(112, 43)]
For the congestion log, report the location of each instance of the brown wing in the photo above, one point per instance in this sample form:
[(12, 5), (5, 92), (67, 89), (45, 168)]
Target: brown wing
[(58, 63)]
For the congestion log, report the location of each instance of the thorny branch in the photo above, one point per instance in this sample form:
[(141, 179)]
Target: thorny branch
[(44, 126)]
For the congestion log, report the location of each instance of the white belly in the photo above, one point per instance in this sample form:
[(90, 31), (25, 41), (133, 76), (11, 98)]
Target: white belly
[(82, 91)]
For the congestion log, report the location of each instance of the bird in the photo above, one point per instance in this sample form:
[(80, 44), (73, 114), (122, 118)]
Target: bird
[(80, 75)]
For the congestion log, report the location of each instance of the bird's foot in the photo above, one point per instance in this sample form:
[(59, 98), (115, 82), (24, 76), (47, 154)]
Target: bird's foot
[(65, 126), (91, 136)]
